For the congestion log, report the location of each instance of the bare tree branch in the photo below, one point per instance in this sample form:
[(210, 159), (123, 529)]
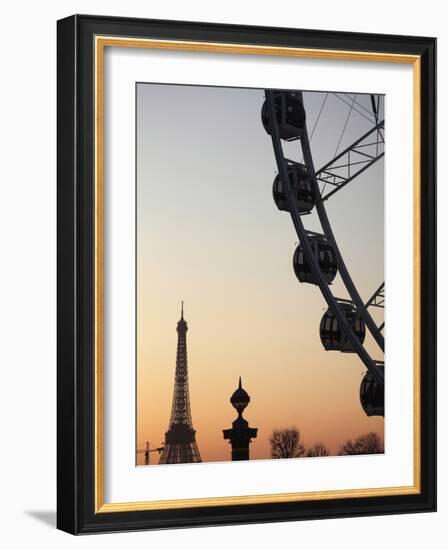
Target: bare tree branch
[(319, 449), (286, 443), (366, 444)]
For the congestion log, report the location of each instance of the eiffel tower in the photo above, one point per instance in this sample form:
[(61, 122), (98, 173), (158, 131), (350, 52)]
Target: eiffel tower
[(180, 441)]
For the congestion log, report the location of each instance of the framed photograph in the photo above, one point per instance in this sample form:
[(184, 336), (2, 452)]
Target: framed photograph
[(244, 213)]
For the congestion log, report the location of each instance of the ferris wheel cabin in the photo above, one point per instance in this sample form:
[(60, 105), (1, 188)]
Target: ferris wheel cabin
[(303, 188), (290, 115), (333, 335), (371, 395), (325, 256)]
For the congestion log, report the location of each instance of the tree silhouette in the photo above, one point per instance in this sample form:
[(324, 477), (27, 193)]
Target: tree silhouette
[(286, 443), (319, 449), (366, 444)]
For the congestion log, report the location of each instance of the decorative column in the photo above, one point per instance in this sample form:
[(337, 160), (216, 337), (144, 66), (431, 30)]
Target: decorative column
[(240, 435)]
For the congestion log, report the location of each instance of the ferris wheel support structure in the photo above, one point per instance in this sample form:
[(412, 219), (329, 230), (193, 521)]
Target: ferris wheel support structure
[(326, 226), (373, 366)]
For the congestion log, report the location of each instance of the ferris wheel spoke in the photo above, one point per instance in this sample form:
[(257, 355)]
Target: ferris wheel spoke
[(353, 161), (375, 105), (351, 102)]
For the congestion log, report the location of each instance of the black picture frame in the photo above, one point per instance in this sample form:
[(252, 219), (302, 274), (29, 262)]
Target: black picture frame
[(76, 511)]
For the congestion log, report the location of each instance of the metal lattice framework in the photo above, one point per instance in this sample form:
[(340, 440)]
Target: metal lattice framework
[(378, 298), (180, 439), (353, 161), (341, 170)]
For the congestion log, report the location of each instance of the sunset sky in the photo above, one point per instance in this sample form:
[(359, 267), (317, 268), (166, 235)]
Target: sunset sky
[(209, 233)]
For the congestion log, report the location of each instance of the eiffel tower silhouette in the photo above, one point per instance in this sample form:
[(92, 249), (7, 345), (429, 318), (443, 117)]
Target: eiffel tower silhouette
[(180, 439)]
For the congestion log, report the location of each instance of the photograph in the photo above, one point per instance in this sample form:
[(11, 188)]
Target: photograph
[(260, 296)]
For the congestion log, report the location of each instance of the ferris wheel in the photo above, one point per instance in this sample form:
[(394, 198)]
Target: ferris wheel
[(300, 189)]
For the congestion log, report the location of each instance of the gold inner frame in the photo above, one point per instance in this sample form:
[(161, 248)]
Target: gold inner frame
[(101, 42)]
